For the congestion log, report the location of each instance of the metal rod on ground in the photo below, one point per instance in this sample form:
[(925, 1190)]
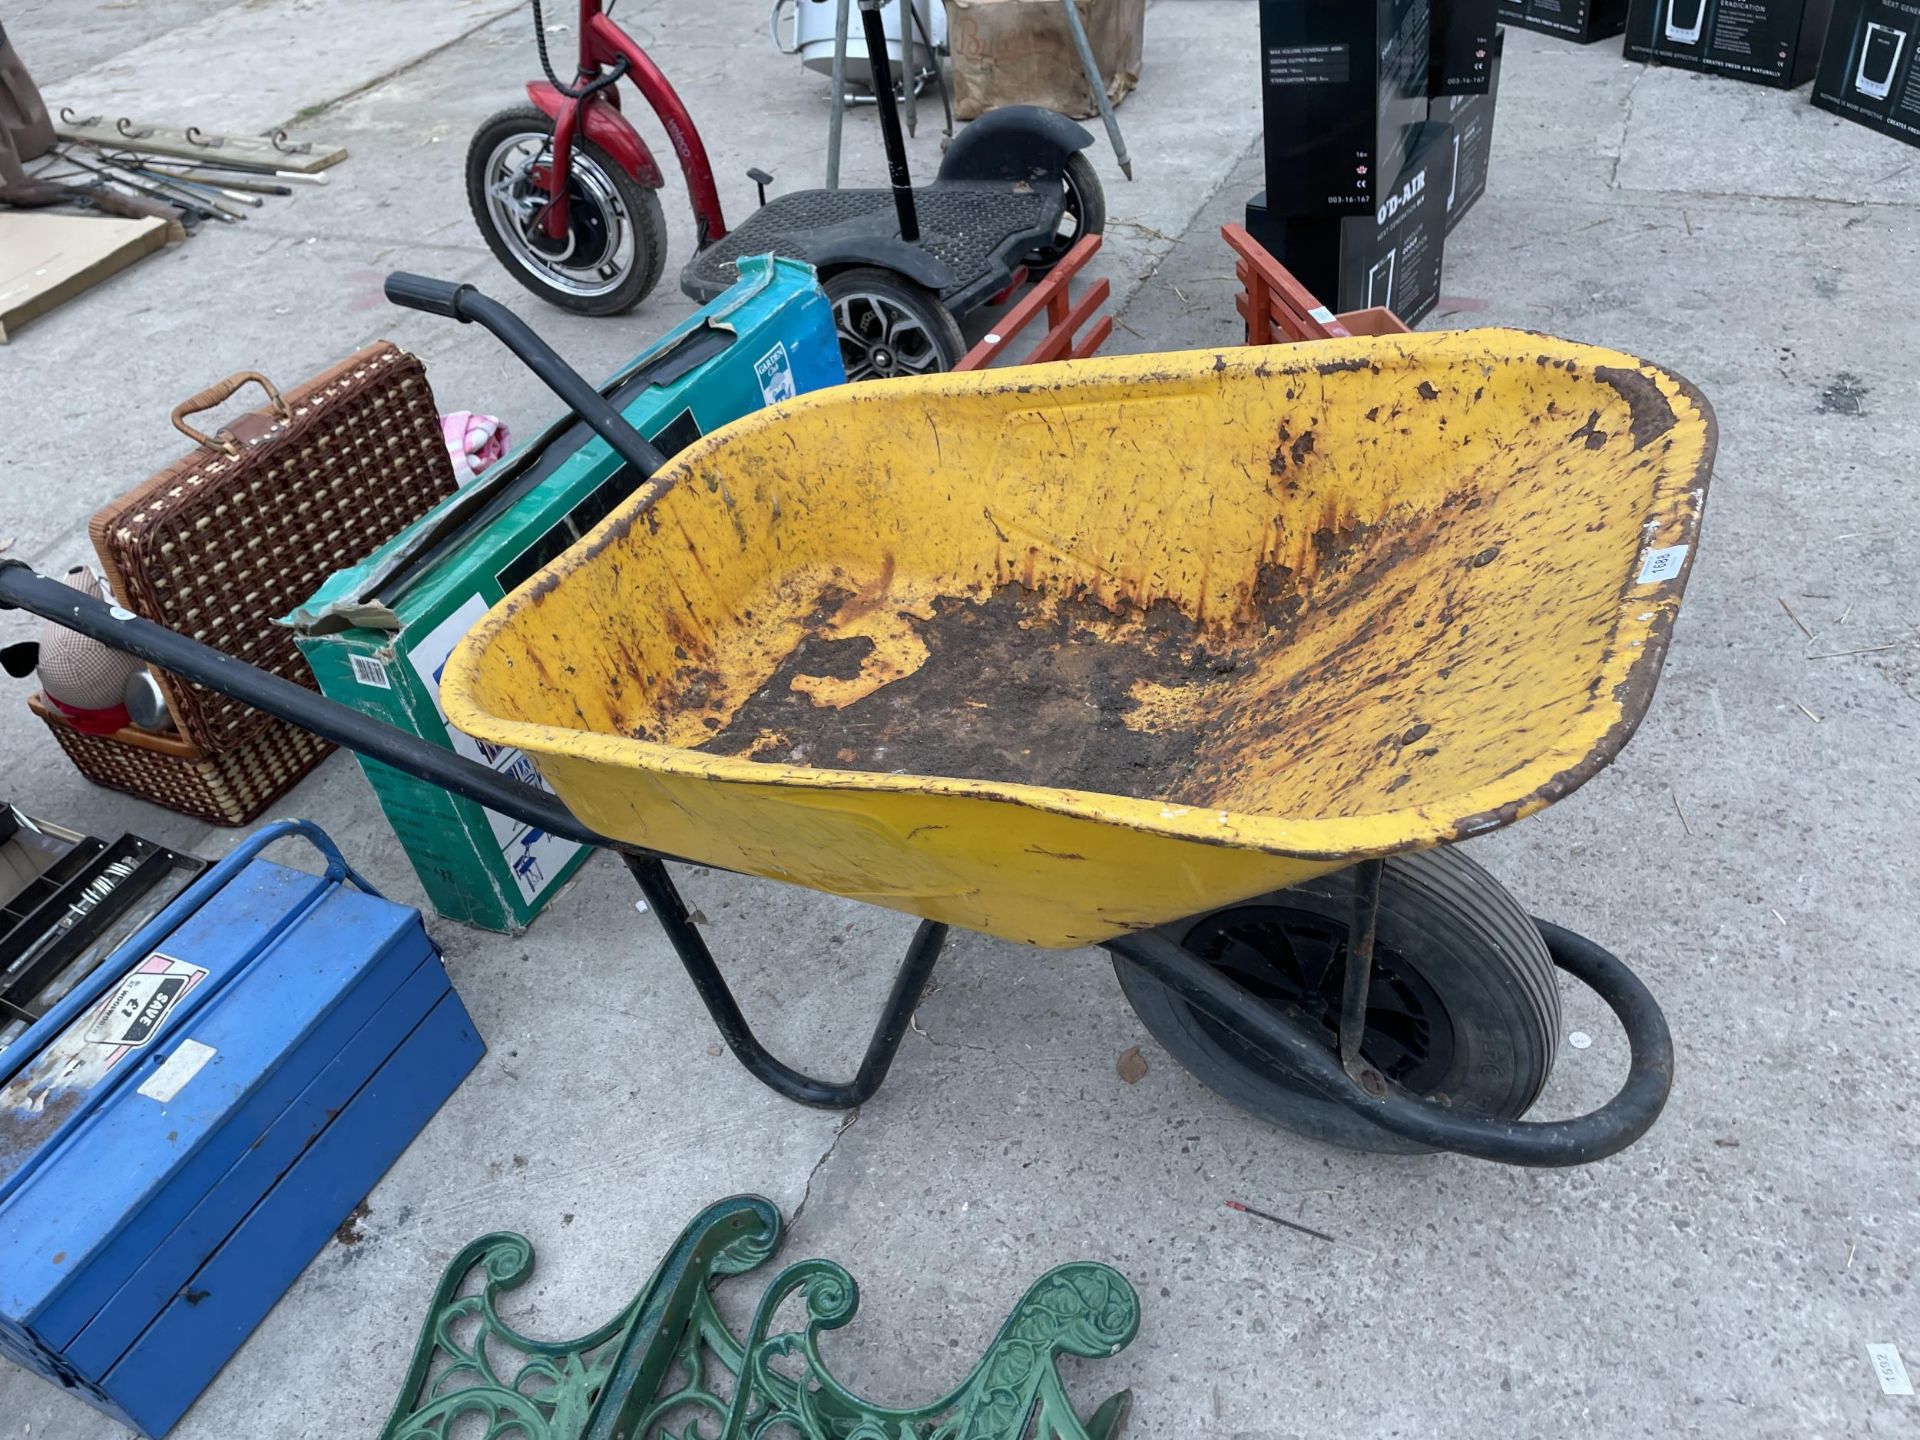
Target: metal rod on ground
[(838, 114), (152, 191), (252, 171), (896, 143), (128, 176), (226, 183), (295, 175), (201, 195), (205, 187), (1277, 1220), (1097, 85)]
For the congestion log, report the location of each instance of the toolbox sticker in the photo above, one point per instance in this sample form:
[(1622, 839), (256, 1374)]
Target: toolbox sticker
[(1662, 564), (83, 1054), (774, 371), (176, 1070), (129, 1017)]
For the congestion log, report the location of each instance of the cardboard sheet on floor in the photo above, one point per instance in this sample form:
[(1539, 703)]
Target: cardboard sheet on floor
[(46, 260)]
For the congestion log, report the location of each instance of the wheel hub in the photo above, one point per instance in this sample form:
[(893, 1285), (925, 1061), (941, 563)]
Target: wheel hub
[(597, 249), (586, 239), (879, 338), (1049, 253), (1295, 960)]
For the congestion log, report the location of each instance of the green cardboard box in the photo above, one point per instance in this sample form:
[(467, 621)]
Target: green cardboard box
[(378, 633)]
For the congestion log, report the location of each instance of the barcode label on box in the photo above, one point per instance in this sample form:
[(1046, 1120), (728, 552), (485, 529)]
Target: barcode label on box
[(369, 671)]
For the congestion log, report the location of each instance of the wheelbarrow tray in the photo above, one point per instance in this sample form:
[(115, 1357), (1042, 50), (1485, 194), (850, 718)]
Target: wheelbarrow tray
[(1430, 579)]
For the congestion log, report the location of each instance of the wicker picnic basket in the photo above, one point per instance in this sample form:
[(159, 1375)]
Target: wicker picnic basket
[(242, 530), (227, 787)]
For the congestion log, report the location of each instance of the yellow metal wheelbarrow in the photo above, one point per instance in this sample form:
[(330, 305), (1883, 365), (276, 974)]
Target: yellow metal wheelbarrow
[(1205, 658)]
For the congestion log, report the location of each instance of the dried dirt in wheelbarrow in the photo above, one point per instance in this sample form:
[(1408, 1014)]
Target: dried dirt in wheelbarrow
[(1029, 686), (1012, 688)]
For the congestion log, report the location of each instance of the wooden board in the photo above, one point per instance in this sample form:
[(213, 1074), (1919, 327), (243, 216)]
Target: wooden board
[(305, 158), (45, 260)]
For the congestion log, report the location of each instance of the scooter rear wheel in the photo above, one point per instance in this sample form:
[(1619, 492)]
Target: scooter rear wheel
[(616, 242), (1085, 214)]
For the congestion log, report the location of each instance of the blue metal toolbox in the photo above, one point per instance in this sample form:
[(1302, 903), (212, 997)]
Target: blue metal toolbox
[(181, 1133)]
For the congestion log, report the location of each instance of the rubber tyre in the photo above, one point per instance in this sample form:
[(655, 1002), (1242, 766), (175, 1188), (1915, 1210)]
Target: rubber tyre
[(1466, 941), (942, 330), (1086, 202), (642, 206)]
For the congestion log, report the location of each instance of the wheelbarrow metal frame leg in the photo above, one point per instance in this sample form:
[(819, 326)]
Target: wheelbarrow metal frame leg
[(1579, 1141), (909, 986), (1357, 981)]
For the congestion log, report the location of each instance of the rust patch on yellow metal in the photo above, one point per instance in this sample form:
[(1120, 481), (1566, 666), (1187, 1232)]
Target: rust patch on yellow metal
[(1069, 668), (1206, 624)]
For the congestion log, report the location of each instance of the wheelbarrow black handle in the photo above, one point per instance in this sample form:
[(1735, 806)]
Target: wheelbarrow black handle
[(24, 588), (468, 305), (423, 292), (1579, 1141)]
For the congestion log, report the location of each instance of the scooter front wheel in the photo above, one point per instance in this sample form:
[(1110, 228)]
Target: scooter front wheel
[(890, 326), (616, 242)]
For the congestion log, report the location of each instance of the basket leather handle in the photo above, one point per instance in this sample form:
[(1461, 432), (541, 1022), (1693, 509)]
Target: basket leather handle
[(213, 395)]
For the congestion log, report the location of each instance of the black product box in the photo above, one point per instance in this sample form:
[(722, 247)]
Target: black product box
[(1470, 119), (1391, 257), (1770, 42), (1866, 70), (1460, 59), (1582, 20), (1343, 83)]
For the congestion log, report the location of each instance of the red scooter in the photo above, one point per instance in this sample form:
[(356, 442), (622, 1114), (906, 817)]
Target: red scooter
[(564, 191)]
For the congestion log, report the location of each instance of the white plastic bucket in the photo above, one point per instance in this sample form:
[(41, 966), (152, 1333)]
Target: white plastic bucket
[(808, 32)]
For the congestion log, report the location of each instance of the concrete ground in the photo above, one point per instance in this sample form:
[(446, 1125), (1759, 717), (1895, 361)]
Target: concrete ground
[(1751, 853)]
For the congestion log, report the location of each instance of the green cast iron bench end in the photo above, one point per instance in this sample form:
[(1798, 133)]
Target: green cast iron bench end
[(668, 1368)]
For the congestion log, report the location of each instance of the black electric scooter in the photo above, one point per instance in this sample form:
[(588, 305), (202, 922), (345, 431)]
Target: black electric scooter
[(903, 266)]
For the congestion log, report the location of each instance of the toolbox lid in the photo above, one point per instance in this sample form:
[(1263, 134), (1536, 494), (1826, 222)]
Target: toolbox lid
[(107, 1113)]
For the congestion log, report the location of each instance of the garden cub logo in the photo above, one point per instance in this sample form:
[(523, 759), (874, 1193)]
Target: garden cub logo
[(774, 371)]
